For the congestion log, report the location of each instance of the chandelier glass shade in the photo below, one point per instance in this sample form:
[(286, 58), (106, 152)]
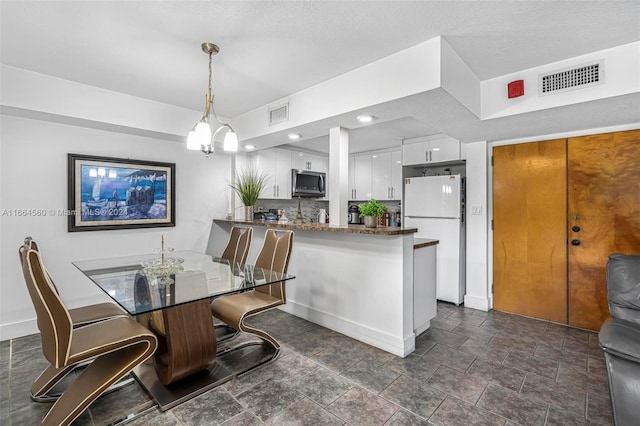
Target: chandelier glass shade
[(201, 137)]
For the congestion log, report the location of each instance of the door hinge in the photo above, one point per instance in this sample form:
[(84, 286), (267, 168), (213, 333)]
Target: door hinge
[(492, 224), (491, 288), (492, 161)]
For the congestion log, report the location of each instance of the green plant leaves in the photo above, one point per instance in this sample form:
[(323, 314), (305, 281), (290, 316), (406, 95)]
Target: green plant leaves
[(249, 184)]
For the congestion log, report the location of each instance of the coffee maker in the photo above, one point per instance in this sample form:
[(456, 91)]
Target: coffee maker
[(354, 215)]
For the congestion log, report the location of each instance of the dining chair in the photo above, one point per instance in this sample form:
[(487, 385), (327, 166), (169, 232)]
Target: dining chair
[(79, 317), (234, 309), (84, 314), (115, 346), (237, 248)]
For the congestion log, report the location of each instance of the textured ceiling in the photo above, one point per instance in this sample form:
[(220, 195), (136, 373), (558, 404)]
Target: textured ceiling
[(270, 49)]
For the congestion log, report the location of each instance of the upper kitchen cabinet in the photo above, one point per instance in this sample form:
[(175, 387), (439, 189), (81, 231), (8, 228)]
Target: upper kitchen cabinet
[(377, 175), (430, 149), (360, 177), (276, 163), (305, 161), (386, 176)]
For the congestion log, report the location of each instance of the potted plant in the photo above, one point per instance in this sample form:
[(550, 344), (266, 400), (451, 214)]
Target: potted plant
[(370, 211), (248, 184)]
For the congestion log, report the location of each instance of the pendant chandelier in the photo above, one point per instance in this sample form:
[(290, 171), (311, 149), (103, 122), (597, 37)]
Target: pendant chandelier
[(200, 137)]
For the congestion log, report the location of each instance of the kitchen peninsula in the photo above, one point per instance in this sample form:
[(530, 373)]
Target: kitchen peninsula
[(355, 280)]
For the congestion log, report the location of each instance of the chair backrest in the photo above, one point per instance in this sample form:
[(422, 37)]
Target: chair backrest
[(54, 322), (34, 246), (623, 286), (238, 246), (274, 255)]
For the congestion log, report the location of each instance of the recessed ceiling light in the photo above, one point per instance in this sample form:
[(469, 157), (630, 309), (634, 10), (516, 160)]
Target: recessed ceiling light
[(249, 147), (365, 118), (294, 136), (436, 149), (374, 156)]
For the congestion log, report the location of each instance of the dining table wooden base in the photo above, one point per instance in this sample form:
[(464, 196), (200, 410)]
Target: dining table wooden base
[(178, 392), (189, 342)]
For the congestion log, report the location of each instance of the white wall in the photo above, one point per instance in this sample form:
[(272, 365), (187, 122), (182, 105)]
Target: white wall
[(33, 175), (478, 292)]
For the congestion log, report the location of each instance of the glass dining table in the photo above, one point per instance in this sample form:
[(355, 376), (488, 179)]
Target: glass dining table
[(171, 293)]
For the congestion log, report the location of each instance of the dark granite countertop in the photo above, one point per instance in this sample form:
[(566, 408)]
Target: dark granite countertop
[(348, 229), (424, 242)]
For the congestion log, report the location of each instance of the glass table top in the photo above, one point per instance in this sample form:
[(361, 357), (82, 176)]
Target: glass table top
[(143, 283)]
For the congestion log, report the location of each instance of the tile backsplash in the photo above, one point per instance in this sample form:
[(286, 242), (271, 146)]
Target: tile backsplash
[(310, 207)]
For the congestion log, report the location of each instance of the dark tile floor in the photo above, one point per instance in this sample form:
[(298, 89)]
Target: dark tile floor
[(470, 368)]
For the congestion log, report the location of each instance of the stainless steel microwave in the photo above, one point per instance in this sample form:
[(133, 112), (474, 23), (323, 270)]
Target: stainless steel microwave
[(305, 183)]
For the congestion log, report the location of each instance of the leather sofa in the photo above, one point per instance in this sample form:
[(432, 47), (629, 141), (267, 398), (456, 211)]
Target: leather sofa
[(620, 337)]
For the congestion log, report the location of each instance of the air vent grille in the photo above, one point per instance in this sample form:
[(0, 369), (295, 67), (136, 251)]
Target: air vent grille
[(279, 114), (572, 78)]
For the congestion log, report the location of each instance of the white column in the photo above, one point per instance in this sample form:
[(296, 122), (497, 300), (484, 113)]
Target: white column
[(338, 175), (478, 292)]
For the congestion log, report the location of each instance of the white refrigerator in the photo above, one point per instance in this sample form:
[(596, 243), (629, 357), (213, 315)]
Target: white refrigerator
[(435, 205)]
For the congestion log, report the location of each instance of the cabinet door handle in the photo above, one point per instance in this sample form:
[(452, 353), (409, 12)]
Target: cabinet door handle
[(426, 156), (278, 192), (430, 156)]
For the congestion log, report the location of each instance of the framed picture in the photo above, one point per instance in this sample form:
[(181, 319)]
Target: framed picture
[(118, 193)]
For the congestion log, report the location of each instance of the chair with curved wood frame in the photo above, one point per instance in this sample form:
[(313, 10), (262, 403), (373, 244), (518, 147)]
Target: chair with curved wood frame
[(115, 346), (233, 309), (238, 246), (79, 317), (237, 250)]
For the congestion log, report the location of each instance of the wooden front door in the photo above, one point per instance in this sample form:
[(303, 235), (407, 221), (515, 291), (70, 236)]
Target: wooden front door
[(529, 231), (603, 217)]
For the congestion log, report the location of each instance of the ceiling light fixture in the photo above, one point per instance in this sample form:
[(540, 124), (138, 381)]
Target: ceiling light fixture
[(200, 137), (365, 118), (294, 136), (249, 147)]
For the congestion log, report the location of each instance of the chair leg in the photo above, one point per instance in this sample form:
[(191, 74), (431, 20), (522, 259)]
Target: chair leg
[(103, 372), (265, 337), (50, 377), (225, 332)]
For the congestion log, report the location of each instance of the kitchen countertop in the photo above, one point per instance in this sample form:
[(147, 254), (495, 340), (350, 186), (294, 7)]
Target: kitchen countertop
[(424, 242), (347, 229)]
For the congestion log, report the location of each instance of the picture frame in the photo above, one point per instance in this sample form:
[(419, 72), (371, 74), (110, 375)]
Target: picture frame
[(107, 193)]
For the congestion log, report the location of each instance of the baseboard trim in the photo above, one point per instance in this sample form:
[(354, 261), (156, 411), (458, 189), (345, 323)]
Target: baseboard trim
[(381, 340), (18, 329), (475, 302)]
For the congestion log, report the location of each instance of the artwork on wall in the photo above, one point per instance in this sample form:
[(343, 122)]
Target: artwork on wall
[(117, 193)]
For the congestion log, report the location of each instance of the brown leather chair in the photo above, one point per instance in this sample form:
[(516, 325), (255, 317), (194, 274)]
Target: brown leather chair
[(79, 316), (238, 246), (84, 314), (233, 309), (115, 346)]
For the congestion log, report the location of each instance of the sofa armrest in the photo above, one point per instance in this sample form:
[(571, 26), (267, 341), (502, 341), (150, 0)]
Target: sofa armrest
[(621, 338)]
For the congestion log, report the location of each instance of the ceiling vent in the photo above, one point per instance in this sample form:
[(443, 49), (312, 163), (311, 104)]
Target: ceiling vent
[(573, 78), (279, 114)]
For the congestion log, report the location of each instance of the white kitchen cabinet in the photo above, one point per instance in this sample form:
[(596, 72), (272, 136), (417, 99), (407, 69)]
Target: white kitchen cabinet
[(386, 176), (305, 161), (381, 176), (396, 175), (424, 285), (360, 177), (430, 149), (276, 163)]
